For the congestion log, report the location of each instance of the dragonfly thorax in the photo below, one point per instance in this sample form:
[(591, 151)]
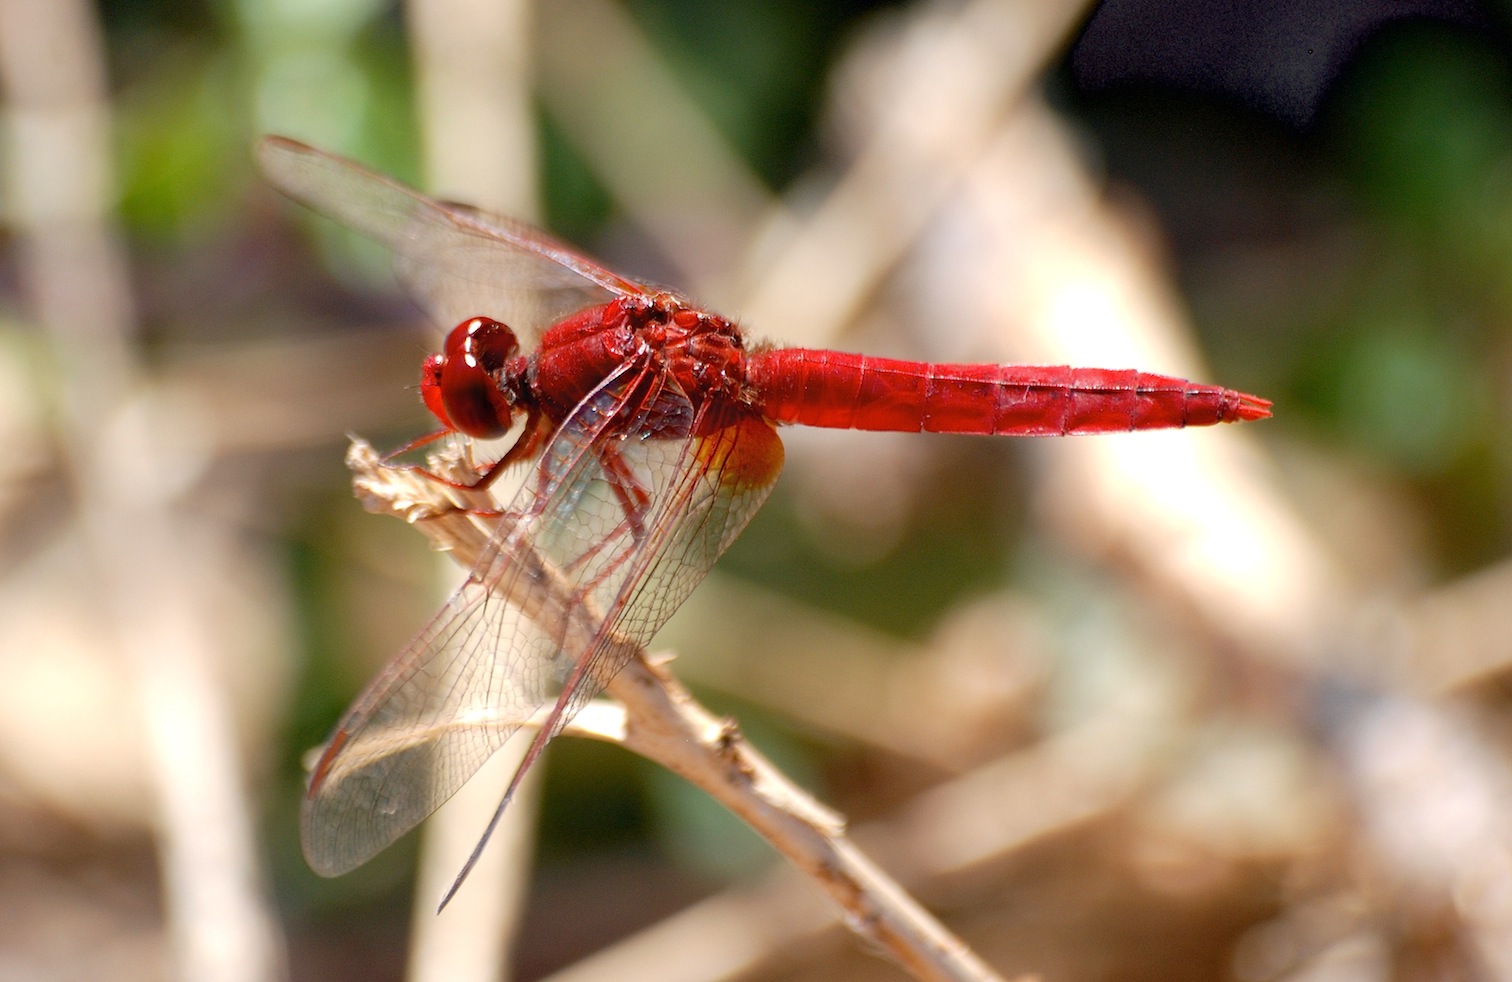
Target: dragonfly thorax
[(652, 346), (466, 387)]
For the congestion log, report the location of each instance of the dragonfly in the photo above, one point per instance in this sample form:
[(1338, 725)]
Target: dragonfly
[(650, 426)]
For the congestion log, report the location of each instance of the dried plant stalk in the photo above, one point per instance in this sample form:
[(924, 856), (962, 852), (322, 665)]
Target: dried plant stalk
[(663, 723)]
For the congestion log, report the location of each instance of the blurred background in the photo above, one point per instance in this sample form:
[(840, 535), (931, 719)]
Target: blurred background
[(1202, 705)]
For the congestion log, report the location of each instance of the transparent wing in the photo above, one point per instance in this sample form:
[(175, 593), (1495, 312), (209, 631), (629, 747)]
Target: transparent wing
[(633, 500), (458, 261)]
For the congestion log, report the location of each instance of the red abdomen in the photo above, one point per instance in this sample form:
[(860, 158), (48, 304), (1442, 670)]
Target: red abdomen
[(846, 391)]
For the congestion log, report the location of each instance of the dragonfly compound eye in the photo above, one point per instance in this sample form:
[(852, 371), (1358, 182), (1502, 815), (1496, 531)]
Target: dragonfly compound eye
[(486, 342), (464, 386)]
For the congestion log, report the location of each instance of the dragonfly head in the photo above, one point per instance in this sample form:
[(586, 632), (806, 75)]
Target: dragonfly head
[(462, 385)]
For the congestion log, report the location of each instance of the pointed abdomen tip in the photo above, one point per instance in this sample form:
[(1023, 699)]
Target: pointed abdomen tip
[(1252, 407)]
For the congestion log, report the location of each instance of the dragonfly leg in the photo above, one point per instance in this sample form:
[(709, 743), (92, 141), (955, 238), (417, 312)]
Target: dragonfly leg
[(524, 448), (415, 444), (634, 502), (634, 499)]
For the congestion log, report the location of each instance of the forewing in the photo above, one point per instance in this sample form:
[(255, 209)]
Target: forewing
[(458, 261), (570, 586)]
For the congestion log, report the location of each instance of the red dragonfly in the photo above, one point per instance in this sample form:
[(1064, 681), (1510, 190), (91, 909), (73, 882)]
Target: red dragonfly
[(651, 425)]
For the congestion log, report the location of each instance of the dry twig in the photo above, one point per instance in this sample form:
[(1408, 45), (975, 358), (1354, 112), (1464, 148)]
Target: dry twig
[(663, 723)]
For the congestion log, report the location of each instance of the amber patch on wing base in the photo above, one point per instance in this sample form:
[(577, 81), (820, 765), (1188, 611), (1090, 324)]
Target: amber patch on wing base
[(746, 454)]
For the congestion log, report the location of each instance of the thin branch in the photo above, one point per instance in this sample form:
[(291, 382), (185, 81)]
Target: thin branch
[(665, 724), (1060, 784)]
